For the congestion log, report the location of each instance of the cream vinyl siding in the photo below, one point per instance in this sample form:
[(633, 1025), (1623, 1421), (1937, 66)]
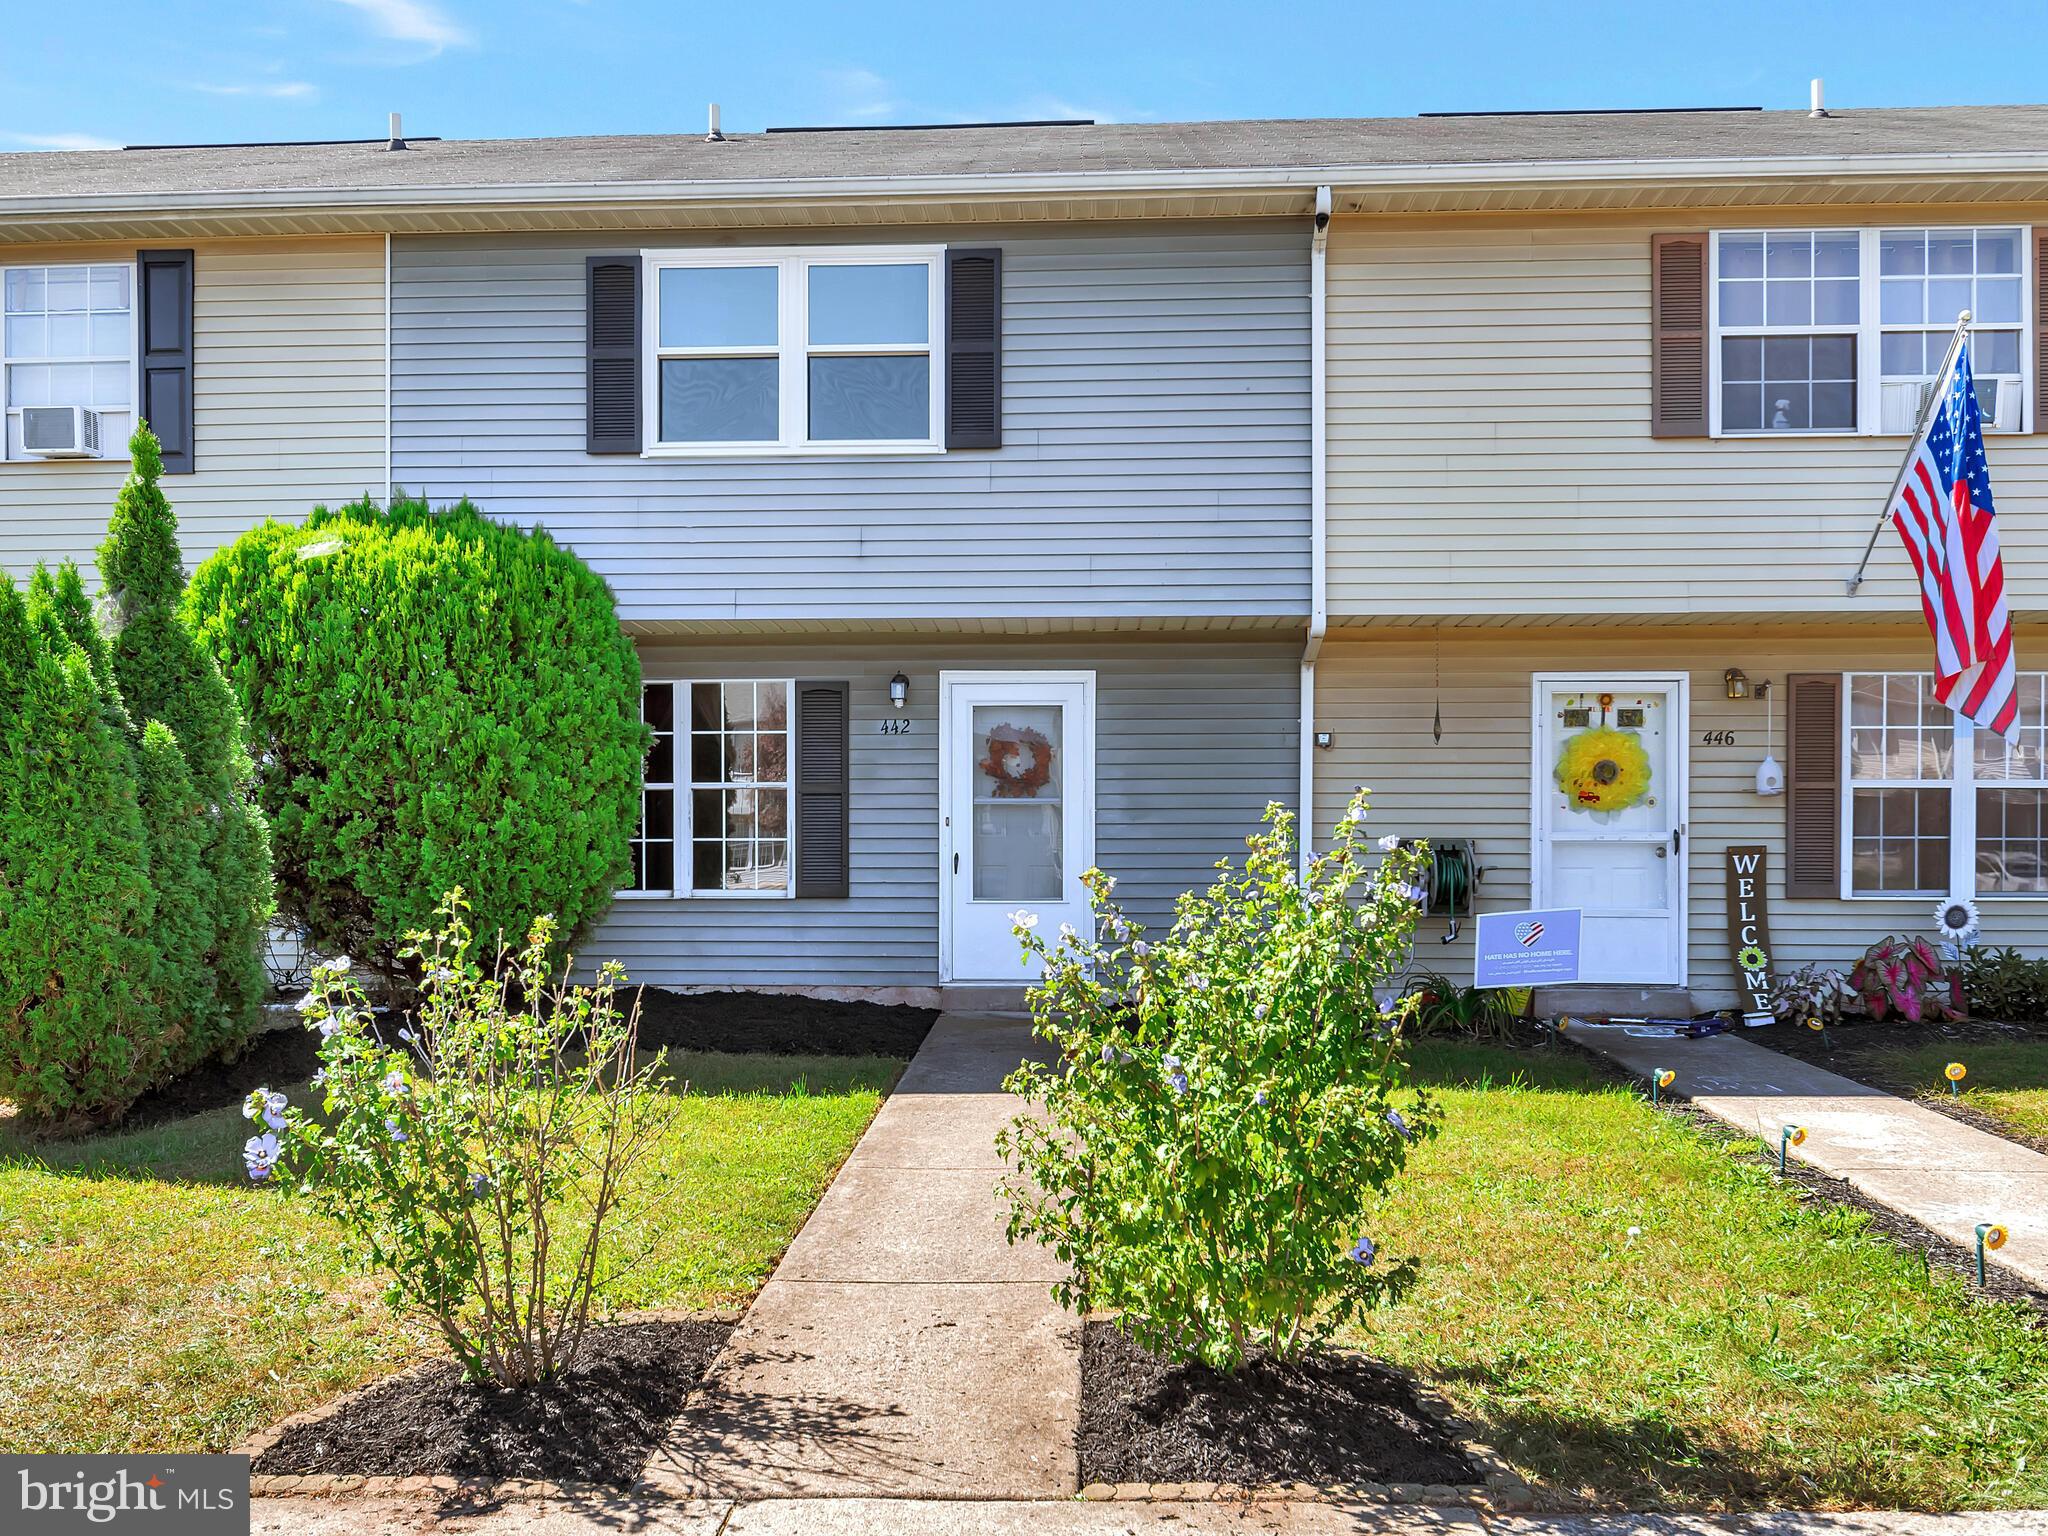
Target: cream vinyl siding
[(1377, 696), (1490, 448), (288, 401)]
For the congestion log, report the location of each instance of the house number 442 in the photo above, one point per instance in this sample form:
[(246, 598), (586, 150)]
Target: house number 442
[(895, 725)]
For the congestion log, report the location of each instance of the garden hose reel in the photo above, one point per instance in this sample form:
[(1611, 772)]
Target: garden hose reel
[(1449, 879)]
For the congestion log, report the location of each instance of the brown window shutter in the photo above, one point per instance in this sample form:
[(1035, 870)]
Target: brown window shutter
[(612, 344), (823, 782), (1813, 784), (1678, 336), (2040, 337)]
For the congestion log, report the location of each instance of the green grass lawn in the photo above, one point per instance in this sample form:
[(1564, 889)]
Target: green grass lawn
[(2008, 1079), (1746, 1347), (155, 1301)]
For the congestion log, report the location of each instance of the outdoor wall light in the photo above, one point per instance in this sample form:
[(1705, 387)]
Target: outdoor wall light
[(899, 690), (1737, 681)]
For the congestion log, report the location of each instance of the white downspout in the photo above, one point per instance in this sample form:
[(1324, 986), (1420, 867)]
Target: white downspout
[(1318, 515), (387, 348)]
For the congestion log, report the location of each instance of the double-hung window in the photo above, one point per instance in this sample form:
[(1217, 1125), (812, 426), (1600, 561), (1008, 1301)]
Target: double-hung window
[(819, 351), (715, 809), (67, 337), (1935, 806), (1841, 331)]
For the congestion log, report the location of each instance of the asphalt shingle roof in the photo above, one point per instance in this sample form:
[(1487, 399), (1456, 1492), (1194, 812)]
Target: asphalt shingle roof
[(1048, 150)]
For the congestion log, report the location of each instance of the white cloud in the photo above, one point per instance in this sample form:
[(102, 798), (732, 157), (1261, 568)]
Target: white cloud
[(274, 90), (859, 94), (413, 21), (57, 141)]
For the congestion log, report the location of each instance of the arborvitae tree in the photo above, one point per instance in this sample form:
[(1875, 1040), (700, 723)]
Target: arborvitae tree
[(174, 822), (166, 675), (80, 1033)]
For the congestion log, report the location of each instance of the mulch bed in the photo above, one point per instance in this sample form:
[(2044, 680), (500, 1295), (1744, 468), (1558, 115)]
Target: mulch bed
[(273, 1060), (778, 1024), (1335, 1418), (1859, 1049), (599, 1423)]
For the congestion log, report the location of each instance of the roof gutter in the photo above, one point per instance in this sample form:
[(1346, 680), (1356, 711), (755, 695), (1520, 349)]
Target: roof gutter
[(1304, 180), (1318, 513)]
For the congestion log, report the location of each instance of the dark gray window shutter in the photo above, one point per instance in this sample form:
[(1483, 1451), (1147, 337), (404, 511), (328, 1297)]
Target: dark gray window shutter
[(613, 348), (163, 284), (1813, 784), (974, 348), (824, 790), (1678, 336), (2040, 337)]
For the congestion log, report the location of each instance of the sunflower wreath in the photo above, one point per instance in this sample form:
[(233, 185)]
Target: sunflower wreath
[(1019, 762), (1603, 770)]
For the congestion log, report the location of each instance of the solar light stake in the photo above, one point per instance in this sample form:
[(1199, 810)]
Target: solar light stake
[(1791, 1136), (1989, 1235), (1661, 1079), (1955, 1072), (1820, 1027)]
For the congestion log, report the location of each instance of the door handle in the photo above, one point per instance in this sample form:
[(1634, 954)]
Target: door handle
[(956, 863), (1676, 833)]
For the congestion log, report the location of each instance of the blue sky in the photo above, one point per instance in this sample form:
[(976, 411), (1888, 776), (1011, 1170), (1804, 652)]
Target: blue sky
[(140, 71)]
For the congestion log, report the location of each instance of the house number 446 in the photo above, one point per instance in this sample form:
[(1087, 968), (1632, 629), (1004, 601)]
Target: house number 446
[(1717, 738)]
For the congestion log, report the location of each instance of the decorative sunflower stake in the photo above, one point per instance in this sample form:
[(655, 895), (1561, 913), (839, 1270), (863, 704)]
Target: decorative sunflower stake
[(1956, 920), (1791, 1136), (1955, 1072), (1989, 1235)]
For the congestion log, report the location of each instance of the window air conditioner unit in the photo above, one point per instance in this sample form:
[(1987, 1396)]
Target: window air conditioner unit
[(60, 432)]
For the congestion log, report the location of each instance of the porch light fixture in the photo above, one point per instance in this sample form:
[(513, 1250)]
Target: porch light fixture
[(899, 690), (1737, 681)]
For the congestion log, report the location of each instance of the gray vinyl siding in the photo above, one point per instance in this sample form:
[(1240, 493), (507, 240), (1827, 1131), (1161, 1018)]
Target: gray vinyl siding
[(1192, 741), (1155, 430)]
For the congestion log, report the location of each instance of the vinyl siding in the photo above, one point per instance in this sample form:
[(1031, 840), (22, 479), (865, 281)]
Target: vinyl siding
[(1378, 695), (1192, 741), (288, 402), (1155, 458), (1490, 448)]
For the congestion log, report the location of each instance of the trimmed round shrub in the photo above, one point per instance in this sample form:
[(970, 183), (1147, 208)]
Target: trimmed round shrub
[(165, 674), (79, 1023), (435, 700)]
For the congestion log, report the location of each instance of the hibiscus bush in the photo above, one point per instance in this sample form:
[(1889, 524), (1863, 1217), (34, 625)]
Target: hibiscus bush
[(477, 1155), (1228, 1102)]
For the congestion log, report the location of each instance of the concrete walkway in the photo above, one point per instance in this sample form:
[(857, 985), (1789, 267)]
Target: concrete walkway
[(902, 1347), (920, 1517), (1945, 1175)]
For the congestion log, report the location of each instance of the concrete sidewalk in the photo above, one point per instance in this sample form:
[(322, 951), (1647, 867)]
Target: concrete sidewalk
[(902, 1347), (1946, 1175), (920, 1517)]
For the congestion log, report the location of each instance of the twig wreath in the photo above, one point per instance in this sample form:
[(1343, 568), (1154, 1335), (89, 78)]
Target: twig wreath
[(1019, 762)]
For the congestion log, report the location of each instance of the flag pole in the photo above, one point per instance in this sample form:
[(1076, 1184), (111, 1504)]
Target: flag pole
[(1934, 395)]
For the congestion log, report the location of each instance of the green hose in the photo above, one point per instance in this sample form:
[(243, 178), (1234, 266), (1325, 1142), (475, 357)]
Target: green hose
[(1450, 884)]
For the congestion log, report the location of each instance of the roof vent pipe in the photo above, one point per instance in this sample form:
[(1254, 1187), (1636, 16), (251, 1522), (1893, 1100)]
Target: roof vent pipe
[(713, 136), (1816, 110), (397, 133)]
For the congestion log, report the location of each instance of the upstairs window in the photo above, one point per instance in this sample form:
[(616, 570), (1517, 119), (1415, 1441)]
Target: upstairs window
[(1820, 332), (67, 337), (824, 351)]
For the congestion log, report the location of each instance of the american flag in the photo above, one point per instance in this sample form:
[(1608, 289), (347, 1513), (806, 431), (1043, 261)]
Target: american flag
[(1943, 511)]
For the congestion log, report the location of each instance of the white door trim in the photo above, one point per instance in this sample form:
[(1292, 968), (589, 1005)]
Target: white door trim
[(1681, 752), (1081, 807)]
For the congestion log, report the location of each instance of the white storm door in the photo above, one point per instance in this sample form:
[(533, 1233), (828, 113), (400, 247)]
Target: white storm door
[(1610, 809), (1017, 813)]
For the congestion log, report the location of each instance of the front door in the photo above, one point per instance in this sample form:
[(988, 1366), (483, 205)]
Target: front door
[(1610, 806), (1017, 813)]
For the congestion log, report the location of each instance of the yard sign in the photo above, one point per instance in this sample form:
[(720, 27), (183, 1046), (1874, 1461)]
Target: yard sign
[(1527, 949)]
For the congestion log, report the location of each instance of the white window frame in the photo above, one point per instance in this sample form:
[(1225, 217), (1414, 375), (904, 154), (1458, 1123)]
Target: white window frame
[(793, 350), (682, 784), (1869, 328), (1962, 785), (117, 452)]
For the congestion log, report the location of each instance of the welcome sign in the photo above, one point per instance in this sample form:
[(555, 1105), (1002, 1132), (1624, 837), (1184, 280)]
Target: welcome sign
[(1749, 931), (1527, 949)]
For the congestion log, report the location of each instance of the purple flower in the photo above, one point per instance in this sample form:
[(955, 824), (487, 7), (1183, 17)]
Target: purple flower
[(1175, 1077), (1362, 1251), (259, 1156), (1259, 1098), (267, 1106), (1399, 1123), (479, 1185), (392, 1126), (394, 1083), (405, 1035)]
